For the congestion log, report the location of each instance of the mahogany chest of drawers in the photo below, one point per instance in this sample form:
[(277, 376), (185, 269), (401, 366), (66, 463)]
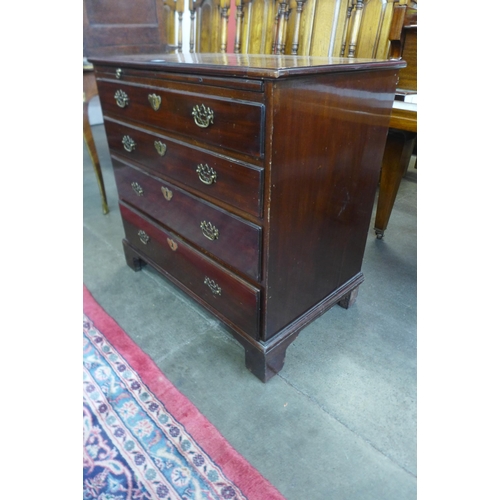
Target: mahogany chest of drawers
[(249, 181)]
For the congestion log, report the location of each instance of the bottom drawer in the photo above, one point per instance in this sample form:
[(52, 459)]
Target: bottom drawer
[(235, 299)]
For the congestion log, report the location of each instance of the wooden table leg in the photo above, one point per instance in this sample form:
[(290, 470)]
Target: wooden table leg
[(89, 141), (398, 150), (90, 91)]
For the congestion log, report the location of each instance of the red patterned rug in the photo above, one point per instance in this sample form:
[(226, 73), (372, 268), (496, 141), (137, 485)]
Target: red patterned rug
[(142, 438)]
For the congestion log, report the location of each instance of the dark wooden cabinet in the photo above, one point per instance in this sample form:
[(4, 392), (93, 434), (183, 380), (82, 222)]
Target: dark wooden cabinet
[(123, 27), (249, 181)]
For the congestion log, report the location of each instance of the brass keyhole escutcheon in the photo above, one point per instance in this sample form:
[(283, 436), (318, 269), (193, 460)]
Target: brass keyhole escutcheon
[(161, 148), (209, 230), (118, 73), (203, 116), (172, 244), (167, 193), (121, 99), (143, 236), (128, 143), (216, 289), (206, 174), (155, 101)]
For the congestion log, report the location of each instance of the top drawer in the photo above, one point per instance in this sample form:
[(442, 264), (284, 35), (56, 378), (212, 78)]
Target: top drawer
[(228, 123)]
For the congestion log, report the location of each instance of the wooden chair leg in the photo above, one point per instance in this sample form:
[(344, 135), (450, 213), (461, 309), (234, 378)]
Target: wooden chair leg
[(397, 154), (89, 141)]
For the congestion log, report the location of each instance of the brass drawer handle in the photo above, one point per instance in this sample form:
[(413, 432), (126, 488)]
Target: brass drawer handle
[(128, 143), (137, 188), (121, 99), (209, 230), (203, 116), (216, 289), (167, 193), (155, 101), (143, 237), (206, 174), (118, 73), (161, 148)]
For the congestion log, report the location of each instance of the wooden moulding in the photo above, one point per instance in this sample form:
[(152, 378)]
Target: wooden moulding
[(266, 359)]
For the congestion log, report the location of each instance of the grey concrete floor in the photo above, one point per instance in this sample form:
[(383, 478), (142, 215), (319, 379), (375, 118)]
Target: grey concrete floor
[(339, 421)]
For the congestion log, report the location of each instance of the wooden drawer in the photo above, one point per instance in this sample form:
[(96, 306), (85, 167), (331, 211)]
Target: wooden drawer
[(231, 124), (227, 237), (229, 181), (232, 297)]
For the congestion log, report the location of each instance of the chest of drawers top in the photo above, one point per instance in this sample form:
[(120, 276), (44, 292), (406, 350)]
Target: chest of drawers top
[(251, 66)]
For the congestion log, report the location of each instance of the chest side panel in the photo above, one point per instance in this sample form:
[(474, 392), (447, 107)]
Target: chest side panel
[(328, 138)]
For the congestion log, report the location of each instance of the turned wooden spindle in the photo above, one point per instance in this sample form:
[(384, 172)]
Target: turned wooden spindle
[(275, 32), (239, 23), (192, 16), (358, 14), (179, 7), (295, 43), (285, 28), (346, 27), (281, 27), (224, 14)]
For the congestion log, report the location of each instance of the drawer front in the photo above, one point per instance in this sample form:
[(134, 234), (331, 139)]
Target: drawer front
[(235, 183), (222, 122), (232, 297), (230, 238)]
